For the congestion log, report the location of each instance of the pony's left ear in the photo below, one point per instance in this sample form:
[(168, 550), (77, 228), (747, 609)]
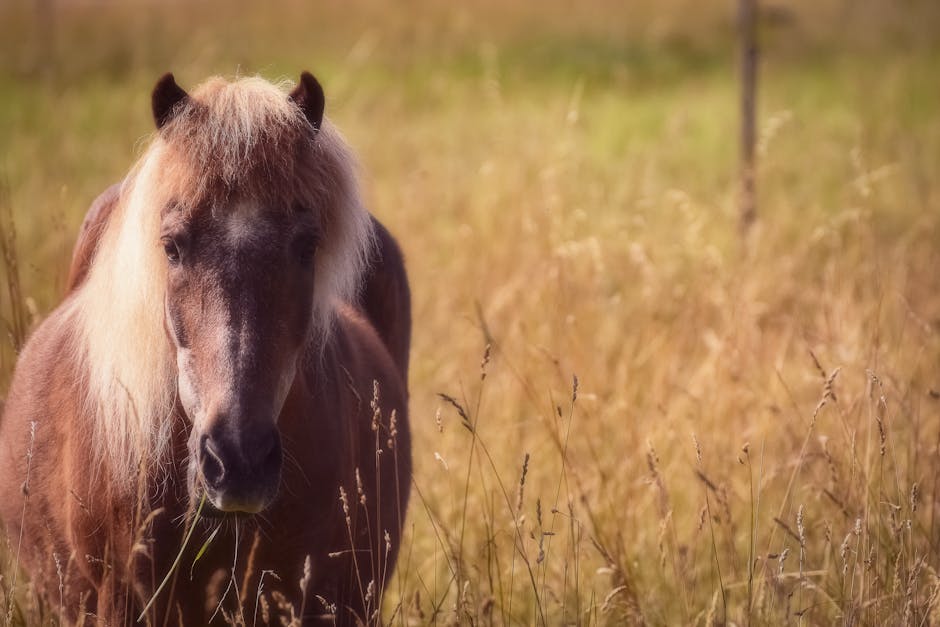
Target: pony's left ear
[(167, 99), (308, 95)]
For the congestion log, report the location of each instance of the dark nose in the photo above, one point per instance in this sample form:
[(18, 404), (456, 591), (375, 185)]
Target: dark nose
[(240, 467)]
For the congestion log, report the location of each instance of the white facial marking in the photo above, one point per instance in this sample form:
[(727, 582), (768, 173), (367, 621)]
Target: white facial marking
[(241, 223), (240, 226), (189, 397)]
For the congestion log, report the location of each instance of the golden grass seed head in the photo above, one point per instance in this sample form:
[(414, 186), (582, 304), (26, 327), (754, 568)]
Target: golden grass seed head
[(662, 538), (484, 361), (359, 489), (712, 616), (376, 408), (844, 553), (327, 605), (801, 530), (392, 430), (520, 492), (265, 609), (781, 559), (345, 502), (307, 576), (882, 436)]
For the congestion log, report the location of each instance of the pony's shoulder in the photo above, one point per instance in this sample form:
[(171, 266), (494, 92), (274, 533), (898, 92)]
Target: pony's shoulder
[(355, 344), (46, 359), (353, 331), (40, 405)]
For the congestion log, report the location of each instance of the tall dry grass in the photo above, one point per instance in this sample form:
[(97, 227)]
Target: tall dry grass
[(621, 415)]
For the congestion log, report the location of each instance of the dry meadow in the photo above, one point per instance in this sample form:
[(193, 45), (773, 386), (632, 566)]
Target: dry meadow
[(623, 412)]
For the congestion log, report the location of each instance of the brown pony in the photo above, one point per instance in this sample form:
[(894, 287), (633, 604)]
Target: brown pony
[(212, 426)]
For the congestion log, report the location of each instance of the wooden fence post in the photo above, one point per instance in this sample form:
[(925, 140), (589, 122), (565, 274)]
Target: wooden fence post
[(747, 31)]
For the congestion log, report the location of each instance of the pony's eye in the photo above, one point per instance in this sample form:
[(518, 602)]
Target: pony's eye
[(171, 249), (305, 247)]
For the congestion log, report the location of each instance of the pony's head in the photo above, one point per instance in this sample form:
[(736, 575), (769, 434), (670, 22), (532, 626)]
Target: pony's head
[(238, 232)]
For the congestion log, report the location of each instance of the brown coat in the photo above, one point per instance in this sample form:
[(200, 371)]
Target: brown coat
[(96, 548)]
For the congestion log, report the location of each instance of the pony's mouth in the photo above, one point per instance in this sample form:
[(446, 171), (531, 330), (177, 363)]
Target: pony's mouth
[(212, 512), (221, 506)]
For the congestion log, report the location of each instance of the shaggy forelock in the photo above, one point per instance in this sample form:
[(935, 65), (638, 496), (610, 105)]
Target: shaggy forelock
[(245, 137)]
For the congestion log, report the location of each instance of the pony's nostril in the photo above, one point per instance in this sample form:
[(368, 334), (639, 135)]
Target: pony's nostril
[(213, 470), (271, 458)]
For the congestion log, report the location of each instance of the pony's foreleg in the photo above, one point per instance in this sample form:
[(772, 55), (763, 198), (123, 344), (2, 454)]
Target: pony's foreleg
[(115, 606)]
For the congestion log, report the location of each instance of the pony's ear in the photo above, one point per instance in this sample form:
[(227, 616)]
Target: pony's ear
[(166, 100), (308, 95)]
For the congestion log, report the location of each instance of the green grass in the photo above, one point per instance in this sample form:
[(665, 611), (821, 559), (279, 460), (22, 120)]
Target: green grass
[(563, 181)]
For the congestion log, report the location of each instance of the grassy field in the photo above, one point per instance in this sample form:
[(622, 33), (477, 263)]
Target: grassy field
[(674, 426)]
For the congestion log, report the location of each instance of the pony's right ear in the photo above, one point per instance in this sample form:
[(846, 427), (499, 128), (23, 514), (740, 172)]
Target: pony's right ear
[(308, 95), (167, 99)]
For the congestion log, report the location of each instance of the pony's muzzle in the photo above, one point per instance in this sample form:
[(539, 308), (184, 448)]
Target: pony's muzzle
[(241, 475)]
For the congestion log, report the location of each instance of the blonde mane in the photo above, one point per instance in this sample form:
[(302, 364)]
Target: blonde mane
[(231, 141)]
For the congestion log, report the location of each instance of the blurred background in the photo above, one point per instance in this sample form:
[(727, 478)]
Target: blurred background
[(753, 435)]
